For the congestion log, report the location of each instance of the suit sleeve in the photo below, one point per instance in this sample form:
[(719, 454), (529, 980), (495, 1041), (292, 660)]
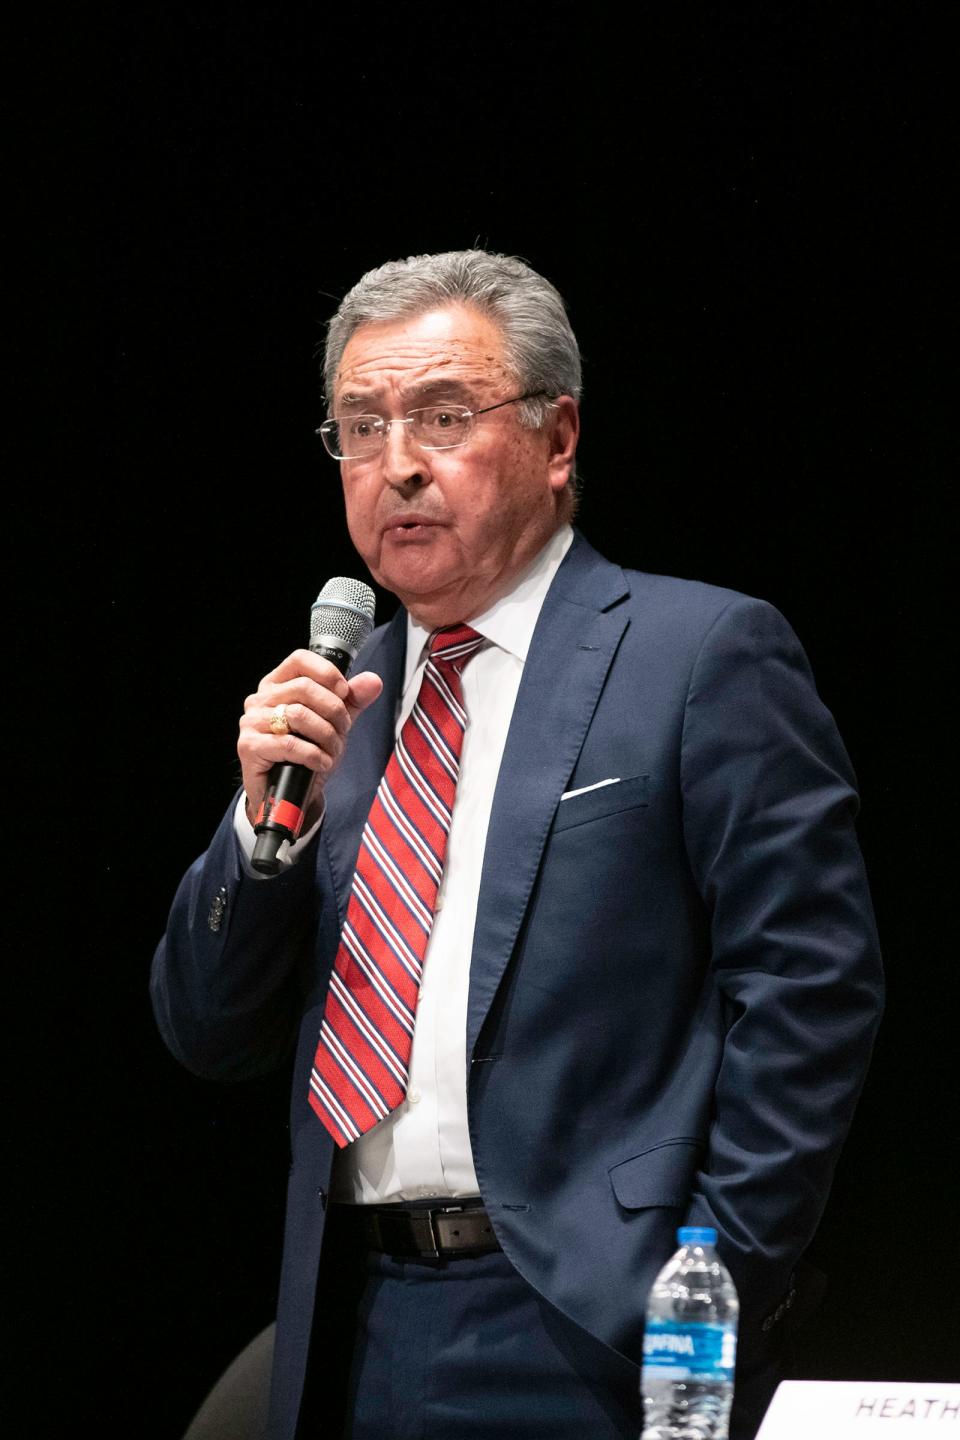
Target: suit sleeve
[(229, 976), (769, 807)]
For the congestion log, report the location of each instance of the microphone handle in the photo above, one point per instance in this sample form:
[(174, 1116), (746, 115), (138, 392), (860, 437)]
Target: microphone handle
[(283, 807)]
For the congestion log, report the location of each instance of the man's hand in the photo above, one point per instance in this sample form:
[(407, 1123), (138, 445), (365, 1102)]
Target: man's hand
[(321, 706)]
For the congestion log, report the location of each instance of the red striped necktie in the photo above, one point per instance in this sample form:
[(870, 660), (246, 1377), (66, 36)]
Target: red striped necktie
[(360, 1070)]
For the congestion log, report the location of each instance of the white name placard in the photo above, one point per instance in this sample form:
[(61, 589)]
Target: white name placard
[(844, 1409)]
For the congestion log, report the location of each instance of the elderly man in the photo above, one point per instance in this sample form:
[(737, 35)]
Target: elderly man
[(576, 937)]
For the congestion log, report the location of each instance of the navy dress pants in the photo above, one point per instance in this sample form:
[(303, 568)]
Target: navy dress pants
[(454, 1349), (465, 1349)]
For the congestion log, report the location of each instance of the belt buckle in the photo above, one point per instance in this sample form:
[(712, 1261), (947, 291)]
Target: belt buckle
[(433, 1254), (436, 1252), (423, 1234)]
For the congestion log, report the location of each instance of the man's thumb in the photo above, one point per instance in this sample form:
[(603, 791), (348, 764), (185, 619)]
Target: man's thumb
[(364, 689)]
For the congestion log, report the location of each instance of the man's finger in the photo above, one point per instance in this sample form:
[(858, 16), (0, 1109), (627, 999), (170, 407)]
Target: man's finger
[(364, 689), (315, 667)]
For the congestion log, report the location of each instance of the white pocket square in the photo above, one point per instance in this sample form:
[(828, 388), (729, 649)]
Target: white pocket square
[(569, 794)]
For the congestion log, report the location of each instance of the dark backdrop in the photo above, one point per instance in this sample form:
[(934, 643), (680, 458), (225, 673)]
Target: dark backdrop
[(744, 207)]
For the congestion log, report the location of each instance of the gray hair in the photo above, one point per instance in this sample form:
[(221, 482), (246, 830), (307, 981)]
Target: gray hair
[(539, 345)]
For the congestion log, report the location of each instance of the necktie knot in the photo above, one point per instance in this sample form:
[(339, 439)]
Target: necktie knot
[(454, 645)]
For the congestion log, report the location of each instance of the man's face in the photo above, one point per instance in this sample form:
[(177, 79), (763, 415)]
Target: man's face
[(448, 530)]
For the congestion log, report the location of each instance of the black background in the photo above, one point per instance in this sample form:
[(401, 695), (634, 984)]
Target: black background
[(745, 208)]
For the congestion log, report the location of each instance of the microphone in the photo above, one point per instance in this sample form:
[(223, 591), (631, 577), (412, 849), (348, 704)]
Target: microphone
[(341, 621)]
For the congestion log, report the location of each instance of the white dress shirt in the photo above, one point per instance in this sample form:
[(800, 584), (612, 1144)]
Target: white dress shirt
[(423, 1147)]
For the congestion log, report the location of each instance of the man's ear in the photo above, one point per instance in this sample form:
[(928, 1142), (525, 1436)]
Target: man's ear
[(564, 432)]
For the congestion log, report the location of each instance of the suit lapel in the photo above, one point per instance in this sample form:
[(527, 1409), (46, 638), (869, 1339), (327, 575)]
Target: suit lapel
[(573, 645), (350, 790)]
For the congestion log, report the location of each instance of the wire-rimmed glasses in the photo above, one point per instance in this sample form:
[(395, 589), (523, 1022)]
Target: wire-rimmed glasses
[(432, 427)]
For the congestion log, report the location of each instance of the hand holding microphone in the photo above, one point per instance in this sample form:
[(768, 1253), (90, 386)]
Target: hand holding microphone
[(286, 754)]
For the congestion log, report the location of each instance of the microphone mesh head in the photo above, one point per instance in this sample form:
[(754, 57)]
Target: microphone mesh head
[(343, 611)]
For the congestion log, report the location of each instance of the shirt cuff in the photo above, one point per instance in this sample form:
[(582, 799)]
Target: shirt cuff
[(289, 852)]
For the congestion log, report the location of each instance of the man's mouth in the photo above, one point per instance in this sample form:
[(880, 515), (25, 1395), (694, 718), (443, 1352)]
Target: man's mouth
[(409, 524)]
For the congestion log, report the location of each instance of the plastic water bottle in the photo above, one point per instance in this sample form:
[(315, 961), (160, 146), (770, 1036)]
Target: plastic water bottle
[(690, 1344)]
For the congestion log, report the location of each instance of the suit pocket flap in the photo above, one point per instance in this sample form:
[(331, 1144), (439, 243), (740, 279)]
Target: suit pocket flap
[(604, 800), (660, 1176)]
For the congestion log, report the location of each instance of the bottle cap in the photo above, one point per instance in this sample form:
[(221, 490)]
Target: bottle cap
[(696, 1235)]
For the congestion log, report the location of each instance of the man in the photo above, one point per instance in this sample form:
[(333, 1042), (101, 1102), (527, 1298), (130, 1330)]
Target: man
[(648, 981)]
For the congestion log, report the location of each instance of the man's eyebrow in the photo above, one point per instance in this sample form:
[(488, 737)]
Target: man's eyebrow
[(447, 388), (422, 393), (350, 399)]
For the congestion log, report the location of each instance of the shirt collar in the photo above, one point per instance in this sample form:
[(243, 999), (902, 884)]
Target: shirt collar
[(510, 622)]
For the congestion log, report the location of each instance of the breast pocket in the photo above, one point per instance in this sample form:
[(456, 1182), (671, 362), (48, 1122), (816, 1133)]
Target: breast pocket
[(605, 800)]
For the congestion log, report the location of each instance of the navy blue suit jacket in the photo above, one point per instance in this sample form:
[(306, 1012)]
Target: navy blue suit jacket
[(675, 979)]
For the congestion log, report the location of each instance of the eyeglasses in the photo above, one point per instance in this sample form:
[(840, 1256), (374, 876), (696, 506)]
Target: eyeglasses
[(433, 427)]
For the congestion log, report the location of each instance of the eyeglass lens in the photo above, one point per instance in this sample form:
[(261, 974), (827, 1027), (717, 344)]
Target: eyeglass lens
[(435, 427)]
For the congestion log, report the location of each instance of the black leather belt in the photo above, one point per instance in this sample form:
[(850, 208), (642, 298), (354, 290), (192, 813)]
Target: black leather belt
[(419, 1232)]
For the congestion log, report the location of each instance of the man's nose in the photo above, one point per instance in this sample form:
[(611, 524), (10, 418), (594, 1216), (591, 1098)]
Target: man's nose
[(402, 459)]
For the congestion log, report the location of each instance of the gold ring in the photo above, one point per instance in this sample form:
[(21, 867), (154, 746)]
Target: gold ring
[(279, 723)]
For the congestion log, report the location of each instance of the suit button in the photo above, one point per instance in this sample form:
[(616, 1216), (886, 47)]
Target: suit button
[(217, 907)]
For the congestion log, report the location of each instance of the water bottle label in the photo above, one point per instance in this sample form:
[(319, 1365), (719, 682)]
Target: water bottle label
[(675, 1351)]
